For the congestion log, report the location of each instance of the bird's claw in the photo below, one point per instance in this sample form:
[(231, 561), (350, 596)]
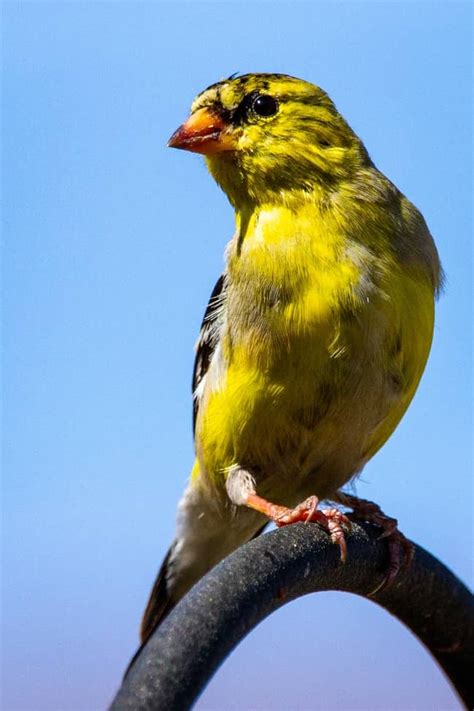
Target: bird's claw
[(332, 520), (400, 549)]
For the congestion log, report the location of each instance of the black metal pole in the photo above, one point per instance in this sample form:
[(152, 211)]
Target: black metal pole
[(185, 651)]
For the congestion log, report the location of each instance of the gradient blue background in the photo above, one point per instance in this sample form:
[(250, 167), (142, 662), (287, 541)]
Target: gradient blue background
[(113, 243)]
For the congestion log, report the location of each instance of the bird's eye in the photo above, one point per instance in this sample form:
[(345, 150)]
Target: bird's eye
[(265, 105)]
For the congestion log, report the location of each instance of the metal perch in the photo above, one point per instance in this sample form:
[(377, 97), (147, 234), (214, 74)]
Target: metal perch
[(270, 571)]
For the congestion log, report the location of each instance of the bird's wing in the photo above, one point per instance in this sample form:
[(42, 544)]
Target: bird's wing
[(207, 341)]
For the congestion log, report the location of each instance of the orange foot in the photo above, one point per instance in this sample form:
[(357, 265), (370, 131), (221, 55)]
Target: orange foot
[(332, 520), (400, 549)]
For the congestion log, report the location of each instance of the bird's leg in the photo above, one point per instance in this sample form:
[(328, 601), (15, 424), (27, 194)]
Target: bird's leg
[(241, 489), (400, 549)]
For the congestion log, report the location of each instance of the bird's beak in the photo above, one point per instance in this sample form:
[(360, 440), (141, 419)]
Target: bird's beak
[(204, 132)]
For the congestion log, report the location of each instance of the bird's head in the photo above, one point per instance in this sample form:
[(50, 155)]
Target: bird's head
[(269, 135)]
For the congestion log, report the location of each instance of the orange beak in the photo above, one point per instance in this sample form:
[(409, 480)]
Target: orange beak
[(204, 132)]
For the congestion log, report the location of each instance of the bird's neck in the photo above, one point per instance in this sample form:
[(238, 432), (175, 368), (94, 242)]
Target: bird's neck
[(250, 189)]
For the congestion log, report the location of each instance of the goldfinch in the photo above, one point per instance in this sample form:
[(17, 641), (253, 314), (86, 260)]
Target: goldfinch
[(316, 334)]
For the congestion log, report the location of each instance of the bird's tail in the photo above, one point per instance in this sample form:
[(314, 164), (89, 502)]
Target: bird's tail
[(159, 603), (205, 535), (162, 599)]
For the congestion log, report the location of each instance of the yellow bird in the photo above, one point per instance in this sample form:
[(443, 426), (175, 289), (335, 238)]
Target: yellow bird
[(315, 336)]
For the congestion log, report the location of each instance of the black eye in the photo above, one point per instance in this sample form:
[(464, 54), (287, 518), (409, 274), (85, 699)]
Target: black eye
[(265, 105)]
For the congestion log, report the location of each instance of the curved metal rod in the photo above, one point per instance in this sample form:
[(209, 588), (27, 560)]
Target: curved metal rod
[(185, 651)]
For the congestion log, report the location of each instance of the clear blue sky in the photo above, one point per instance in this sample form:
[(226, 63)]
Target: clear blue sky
[(112, 245)]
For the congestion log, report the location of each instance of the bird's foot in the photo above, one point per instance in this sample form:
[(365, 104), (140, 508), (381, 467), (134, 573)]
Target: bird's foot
[(400, 549), (332, 520)]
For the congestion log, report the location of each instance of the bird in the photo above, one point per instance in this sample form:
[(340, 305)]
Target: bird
[(315, 336)]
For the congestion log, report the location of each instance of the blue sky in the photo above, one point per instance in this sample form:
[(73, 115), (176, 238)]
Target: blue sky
[(112, 246)]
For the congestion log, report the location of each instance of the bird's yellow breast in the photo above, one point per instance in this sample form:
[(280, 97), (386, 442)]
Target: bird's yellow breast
[(291, 270), (308, 367)]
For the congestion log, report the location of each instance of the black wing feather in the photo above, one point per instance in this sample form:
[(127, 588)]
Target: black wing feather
[(208, 337)]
